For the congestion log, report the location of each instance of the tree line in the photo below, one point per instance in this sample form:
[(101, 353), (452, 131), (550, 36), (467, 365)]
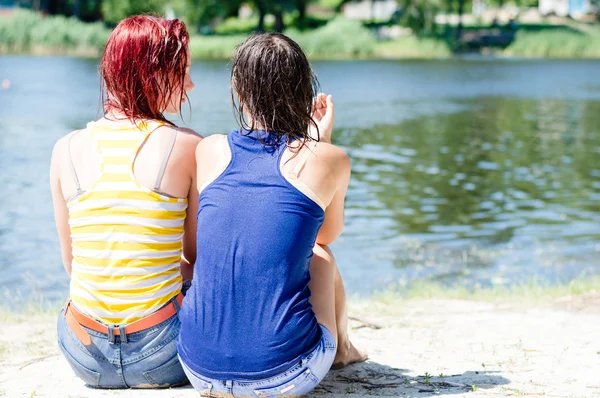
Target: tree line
[(419, 15), (194, 12)]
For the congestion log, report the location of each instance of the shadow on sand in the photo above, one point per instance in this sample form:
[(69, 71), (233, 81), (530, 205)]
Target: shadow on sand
[(371, 378)]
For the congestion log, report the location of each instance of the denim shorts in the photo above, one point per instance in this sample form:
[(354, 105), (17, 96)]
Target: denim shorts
[(300, 379), (145, 359)]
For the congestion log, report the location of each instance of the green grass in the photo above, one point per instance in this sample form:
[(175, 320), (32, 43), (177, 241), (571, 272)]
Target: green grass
[(532, 290), (329, 41), (412, 47), (37, 305), (333, 41), (214, 47), (30, 32), (559, 43)]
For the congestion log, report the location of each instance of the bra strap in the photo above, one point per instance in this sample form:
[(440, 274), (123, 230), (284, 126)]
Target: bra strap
[(163, 166), (303, 160), (71, 165)]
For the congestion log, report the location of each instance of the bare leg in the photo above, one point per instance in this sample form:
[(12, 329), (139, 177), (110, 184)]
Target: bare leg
[(328, 299)]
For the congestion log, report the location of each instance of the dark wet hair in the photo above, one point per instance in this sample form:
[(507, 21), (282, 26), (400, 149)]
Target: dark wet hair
[(271, 80)]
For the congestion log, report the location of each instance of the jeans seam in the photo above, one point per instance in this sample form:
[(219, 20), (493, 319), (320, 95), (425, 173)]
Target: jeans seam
[(155, 348), (306, 373), (273, 379)]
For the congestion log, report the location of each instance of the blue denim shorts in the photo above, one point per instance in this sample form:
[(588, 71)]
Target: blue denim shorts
[(145, 359), (300, 379)]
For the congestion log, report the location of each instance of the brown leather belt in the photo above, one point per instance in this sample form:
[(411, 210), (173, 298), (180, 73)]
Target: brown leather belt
[(76, 319)]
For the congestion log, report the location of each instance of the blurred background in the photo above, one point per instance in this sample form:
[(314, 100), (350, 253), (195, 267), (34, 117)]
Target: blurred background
[(473, 129)]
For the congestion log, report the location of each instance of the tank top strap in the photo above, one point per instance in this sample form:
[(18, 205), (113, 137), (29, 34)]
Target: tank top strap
[(303, 159), (118, 148)]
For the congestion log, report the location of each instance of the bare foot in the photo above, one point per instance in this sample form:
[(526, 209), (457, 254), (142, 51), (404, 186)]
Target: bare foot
[(347, 355)]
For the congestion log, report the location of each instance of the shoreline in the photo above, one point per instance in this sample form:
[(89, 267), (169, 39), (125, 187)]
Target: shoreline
[(417, 348), (28, 32), (531, 292), (470, 56)]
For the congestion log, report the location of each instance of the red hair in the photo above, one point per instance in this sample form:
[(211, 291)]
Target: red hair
[(144, 63)]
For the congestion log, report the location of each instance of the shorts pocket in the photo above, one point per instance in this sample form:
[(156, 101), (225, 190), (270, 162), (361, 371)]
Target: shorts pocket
[(168, 374), (304, 383), (88, 376)]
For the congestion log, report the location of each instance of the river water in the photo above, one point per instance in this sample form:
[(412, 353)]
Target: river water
[(477, 171)]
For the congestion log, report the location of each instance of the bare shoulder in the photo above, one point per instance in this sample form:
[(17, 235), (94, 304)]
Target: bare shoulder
[(62, 144), (188, 133), (332, 155), (186, 140), (183, 133), (211, 145)]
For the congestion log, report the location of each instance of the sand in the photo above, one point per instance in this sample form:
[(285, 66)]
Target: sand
[(418, 348)]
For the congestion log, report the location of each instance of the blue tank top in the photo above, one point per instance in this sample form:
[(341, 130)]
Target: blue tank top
[(247, 314)]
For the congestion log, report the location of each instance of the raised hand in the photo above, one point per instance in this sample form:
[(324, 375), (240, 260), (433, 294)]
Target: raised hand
[(323, 115)]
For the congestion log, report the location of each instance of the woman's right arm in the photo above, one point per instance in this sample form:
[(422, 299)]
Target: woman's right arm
[(333, 224), (338, 163), (61, 212)]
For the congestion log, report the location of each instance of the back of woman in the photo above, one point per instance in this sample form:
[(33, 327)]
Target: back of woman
[(262, 315), (123, 191), (256, 234)]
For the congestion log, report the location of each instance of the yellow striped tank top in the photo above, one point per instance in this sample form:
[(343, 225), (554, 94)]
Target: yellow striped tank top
[(126, 238)]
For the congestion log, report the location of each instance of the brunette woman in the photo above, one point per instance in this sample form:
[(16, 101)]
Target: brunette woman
[(266, 314)]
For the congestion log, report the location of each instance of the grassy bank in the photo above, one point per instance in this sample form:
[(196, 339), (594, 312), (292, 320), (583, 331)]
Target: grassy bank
[(530, 291), (560, 43), (328, 42), (412, 47), (26, 32)]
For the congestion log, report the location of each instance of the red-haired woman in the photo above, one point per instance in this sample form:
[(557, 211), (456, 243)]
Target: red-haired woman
[(125, 202)]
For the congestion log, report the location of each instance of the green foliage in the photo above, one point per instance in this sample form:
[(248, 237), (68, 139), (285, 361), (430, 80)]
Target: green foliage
[(214, 47), (413, 47), (202, 13), (116, 10), (330, 4), (559, 43), (326, 42), (333, 40), (531, 291), (419, 15), (28, 31), (236, 26)]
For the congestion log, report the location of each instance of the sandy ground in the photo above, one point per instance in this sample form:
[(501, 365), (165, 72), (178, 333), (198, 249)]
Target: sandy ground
[(418, 348)]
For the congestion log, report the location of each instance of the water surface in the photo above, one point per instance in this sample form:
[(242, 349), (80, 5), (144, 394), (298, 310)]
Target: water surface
[(477, 171)]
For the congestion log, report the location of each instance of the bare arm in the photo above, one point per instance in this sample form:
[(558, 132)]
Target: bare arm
[(189, 227), (333, 224), (338, 162), (61, 212), (189, 233)]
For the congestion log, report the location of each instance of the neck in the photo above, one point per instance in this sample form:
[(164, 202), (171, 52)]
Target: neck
[(116, 116), (253, 123)]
